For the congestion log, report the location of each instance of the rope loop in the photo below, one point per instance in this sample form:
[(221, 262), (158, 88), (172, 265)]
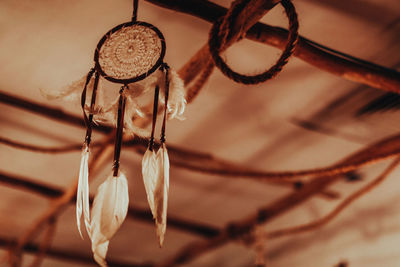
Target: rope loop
[(220, 31)]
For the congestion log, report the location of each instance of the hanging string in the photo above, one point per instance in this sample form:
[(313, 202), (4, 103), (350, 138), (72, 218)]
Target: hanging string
[(155, 110), (135, 10), (166, 69), (89, 119), (120, 128), (220, 31)]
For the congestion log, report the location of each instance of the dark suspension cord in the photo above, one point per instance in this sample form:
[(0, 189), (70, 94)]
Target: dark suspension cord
[(135, 9)]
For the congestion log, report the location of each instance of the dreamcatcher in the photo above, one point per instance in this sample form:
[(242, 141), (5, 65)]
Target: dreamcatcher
[(131, 54)]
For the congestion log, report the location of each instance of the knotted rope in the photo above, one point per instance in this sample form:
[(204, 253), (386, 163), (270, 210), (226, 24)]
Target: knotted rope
[(221, 30)]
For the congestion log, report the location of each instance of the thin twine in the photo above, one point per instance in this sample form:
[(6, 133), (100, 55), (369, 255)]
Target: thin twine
[(217, 41), (120, 128), (235, 231), (340, 207), (227, 170)]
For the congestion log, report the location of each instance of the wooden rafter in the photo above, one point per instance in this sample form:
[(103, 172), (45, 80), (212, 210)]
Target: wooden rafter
[(337, 63), (349, 68)]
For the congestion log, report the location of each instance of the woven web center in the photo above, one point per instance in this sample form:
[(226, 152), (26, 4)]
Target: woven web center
[(130, 52)]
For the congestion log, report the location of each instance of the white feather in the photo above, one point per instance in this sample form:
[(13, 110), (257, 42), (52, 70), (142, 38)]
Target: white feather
[(146, 85), (71, 92), (104, 112), (155, 170), (107, 114), (176, 101), (109, 210), (100, 251), (133, 111), (150, 176), (82, 196), (161, 195)]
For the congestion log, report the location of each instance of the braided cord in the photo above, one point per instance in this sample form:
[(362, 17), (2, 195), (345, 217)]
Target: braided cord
[(219, 33)]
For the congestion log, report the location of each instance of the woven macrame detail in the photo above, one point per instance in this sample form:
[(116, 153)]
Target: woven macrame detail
[(130, 52)]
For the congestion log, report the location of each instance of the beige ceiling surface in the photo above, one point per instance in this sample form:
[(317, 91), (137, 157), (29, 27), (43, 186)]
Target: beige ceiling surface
[(48, 44)]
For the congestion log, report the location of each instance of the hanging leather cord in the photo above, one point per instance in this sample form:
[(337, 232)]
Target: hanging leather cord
[(120, 130), (166, 69), (155, 110), (135, 10), (220, 32), (89, 119)]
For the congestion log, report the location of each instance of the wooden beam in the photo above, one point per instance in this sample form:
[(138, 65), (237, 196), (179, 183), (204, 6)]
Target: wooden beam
[(66, 255), (137, 213), (340, 64), (49, 112), (265, 214)]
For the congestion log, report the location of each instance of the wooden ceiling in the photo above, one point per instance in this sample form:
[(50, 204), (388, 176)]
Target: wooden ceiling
[(326, 112)]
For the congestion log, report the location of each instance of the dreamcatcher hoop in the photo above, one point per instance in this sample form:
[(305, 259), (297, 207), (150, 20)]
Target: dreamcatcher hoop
[(120, 54)]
